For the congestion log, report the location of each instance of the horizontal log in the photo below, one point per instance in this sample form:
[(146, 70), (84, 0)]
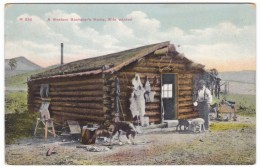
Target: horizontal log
[(128, 92), (184, 99), (152, 113), (72, 89), (185, 87), (185, 93), (163, 64), (188, 116), (156, 100), (183, 76), (82, 93), (143, 70), (131, 75), (152, 107), (128, 82), (185, 110), (75, 99), (186, 104), (80, 116), (86, 81), (154, 119), (82, 111), (187, 81), (77, 87), (67, 93), (70, 83), (75, 104)]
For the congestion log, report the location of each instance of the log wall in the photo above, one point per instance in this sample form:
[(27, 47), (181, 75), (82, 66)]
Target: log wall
[(152, 67), (77, 98), (91, 98)]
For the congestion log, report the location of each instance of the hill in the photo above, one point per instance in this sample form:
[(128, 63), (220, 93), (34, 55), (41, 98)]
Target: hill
[(18, 82), (240, 82), (23, 66), (239, 76)]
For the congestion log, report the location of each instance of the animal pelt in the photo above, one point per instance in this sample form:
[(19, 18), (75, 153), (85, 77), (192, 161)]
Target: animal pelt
[(183, 122), (137, 101)]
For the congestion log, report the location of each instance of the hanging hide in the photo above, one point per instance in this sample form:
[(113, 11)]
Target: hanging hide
[(44, 90), (45, 114), (149, 95), (136, 82), (137, 101)]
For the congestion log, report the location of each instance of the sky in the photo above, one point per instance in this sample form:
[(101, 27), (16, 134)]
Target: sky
[(221, 36)]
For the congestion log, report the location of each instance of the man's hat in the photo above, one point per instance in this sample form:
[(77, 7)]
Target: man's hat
[(202, 82)]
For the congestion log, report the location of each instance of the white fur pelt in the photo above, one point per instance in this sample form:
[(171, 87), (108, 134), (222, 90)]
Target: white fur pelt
[(149, 94), (137, 101), (45, 114)]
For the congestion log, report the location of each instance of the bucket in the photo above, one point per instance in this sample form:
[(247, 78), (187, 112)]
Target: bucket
[(146, 121)]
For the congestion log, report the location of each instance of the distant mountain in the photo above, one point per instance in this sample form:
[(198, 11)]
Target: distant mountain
[(246, 76), (23, 66), (18, 82)]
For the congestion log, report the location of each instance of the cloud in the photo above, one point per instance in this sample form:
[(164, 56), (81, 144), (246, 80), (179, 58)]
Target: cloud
[(217, 46), (142, 24), (35, 30)]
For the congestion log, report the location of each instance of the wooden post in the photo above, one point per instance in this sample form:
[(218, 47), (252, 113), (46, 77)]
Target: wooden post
[(46, 129), (225, 87), (35, 130), (53, 129)]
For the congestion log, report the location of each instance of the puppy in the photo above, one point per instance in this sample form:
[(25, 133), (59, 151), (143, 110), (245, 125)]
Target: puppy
[(125, 126), (183, 122), (197, 123)]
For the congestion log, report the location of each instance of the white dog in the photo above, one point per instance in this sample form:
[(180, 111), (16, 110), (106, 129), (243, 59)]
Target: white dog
[(197, 123)]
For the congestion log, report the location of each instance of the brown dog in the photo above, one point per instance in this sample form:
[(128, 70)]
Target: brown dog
[(125, 126), (117, 127)]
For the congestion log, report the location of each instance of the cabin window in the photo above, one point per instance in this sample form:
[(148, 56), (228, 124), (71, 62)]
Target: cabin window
[(167, 91), (44, 91)]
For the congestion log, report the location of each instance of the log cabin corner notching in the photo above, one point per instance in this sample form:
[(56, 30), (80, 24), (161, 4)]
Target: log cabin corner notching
[(84, 90)]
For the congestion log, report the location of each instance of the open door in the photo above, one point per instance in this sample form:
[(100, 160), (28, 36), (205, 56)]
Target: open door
[(169, 96)]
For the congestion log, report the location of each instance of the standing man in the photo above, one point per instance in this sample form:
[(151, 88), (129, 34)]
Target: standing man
[(204, 99)]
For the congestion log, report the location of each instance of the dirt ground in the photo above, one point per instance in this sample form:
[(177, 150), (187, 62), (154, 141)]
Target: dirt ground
[(154, 147)]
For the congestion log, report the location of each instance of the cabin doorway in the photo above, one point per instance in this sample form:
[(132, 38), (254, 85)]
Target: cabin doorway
[(169, 96)]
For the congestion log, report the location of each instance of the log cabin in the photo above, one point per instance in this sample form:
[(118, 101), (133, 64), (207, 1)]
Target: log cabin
[(84, 90)]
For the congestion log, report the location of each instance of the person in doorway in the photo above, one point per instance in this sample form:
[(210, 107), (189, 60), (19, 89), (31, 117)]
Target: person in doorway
[(203, 100)]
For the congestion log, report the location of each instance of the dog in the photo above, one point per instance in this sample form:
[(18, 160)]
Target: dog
[(183, 122), (125, 126), (101, 133), (197, 124), (114, 129)]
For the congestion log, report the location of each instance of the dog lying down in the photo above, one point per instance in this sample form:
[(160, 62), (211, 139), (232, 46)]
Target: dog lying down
[(116, 128)]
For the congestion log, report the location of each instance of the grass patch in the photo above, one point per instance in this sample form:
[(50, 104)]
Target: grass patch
[(222, 126), (18, 126), (15, 102), (245, 104), (18, 122)]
